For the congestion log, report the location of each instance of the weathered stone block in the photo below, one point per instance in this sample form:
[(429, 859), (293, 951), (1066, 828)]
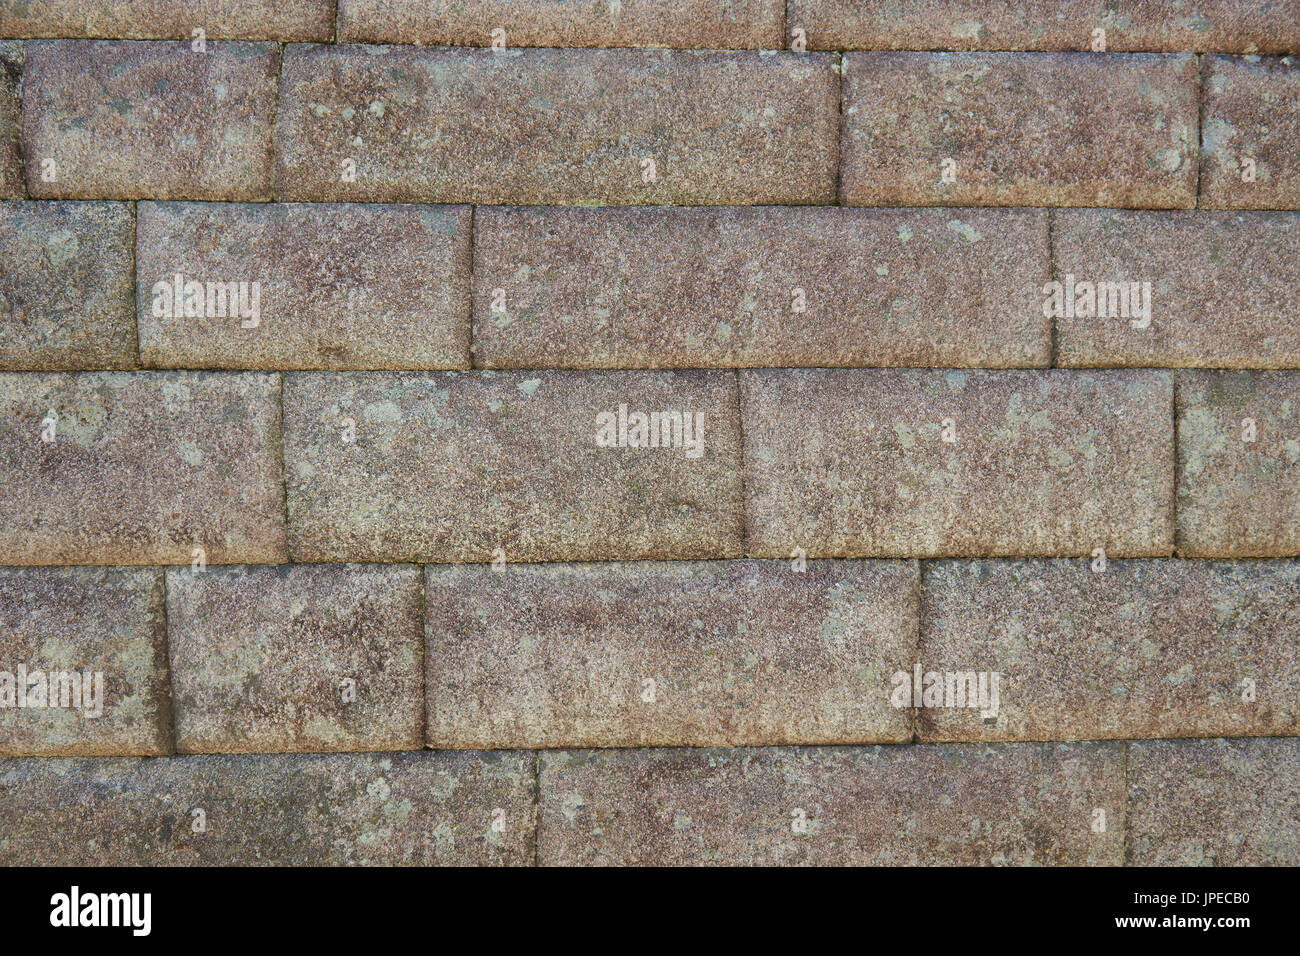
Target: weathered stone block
[(296, 657), (337, 285), (920, 463), (769, 286), (98, 636), (567, 127), (971, 805), (1019, 129), (65, 298), (139, 120), (140, 468), (452, 467), (735, 653)]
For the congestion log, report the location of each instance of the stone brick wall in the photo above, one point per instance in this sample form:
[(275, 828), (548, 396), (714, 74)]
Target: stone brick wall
[(707, 431)]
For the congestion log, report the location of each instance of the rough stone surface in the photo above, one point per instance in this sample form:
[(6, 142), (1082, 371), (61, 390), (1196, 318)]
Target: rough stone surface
[(566, 126), (144, 467), (853, 463), (1238, 498), (970, 805), (1223, 287), (1156, 648), (627, 288), (106, 621), (65, 285), (1230, 26), (140, 120), (1251, 110), (680, 24), (1023, 129), (340, 285), (261, 657), (169, 19), (738, 653), (11, 124), (299, 809), (1214, 803), (453, 466)]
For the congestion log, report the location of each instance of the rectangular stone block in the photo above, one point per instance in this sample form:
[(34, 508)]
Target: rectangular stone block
[(541, 465), (567, 127), (169, 19), (769, 286), (1222, 288), (1250, 126), (297, 658), (65, 285), (1159, 648), (140, 468), (1238, 458), (1214, 803), (971, 805), (83, 662), (921, 463), (337, 285), (138, 120), (11, 123), (1019, 129), (736, 653), (677, 24), (1229, 26), (416, 809)]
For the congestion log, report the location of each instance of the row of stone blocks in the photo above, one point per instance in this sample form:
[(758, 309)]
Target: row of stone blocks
[(105, 285), (1224, 802), (1227, 26), (320, 122), (318, 658), (157, 468)]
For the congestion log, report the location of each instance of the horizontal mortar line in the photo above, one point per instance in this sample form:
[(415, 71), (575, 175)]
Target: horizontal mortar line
[(648, 49), (521, 370), (1162, 558), (648, 206), (899, 745)]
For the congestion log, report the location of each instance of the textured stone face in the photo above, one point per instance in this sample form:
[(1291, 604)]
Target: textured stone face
[(301, 809), (107, 626), (626, 288), (168, 19), (567, 126), (668, 654), (1214, 803), (1238, 464), (1016, 804), (142, 468), (849, 462), (1130, 25), (1223, 287), (11, 126), (1251, 113), (680, 24), (339, 285), (138, 120), (65, 285), (1052, 129), (1144, 649), (451, 467), (297, 657)]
